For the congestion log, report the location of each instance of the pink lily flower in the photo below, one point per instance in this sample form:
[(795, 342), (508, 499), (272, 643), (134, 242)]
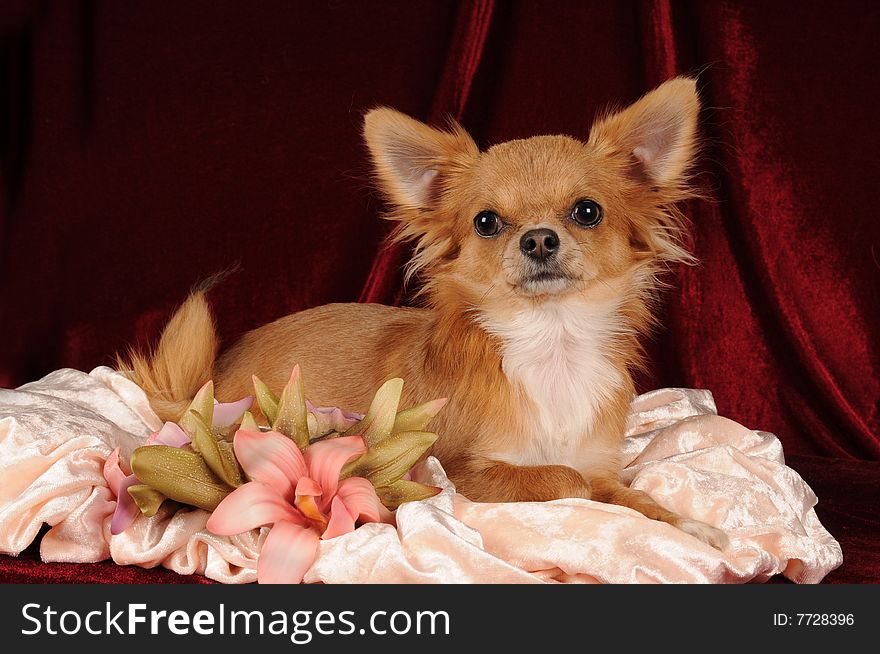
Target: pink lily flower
[(299, 495), (226, 413), (119, 477)]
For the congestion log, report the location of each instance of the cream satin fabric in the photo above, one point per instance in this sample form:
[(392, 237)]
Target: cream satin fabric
[(56, 433)]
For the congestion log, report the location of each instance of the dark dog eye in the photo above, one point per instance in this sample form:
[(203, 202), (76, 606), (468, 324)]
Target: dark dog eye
[(487, 224), (586, 213)]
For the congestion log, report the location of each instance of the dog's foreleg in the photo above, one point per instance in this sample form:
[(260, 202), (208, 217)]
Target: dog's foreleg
[(613, 491), (495, 481)]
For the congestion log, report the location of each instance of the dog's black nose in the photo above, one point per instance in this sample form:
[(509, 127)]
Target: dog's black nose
[(540, 244)]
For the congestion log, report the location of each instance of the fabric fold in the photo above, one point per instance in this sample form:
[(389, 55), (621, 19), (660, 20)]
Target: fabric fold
[(56, 433)]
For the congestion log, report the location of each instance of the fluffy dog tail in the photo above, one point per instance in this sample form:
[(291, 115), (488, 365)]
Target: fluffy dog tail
[(182, 361)]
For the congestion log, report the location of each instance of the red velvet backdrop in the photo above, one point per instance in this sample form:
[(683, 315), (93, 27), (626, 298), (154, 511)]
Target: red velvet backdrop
[(146, 145)]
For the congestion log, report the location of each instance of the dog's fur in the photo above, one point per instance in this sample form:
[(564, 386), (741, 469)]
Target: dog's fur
[(534, 357)]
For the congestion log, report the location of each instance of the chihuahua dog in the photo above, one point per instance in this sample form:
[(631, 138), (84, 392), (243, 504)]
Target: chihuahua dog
[(539, 259)]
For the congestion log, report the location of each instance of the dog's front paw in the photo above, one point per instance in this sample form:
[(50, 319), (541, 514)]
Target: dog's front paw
[(706, 533)]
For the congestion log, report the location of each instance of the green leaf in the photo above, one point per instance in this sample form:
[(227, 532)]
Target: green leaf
[(147, 499), (248, 423), (292, 420), (379, 421), (224, 466), (402, 491), (226, 434), (266, 400), (180, 475), (418, 417), (202, 404), (390, 459), (233, 475)]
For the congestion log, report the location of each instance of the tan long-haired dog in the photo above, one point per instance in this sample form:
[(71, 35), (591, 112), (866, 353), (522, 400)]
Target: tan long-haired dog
[(539, 258)]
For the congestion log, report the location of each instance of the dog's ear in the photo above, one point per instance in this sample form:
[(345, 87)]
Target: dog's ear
[(656, 135), (413, 160)]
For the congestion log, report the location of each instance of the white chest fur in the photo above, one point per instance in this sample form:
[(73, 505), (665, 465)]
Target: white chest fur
[(558, 355)]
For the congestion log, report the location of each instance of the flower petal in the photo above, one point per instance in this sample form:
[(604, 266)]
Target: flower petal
[(326, 458), (266, 400), (271, 458), (171, 434), (179, 474), (287, 554), (126, 508), (113, 472), (391, 458), (252, 505), (202, 404), (292, 419), (379, 421), (306, 491), (404, 490), (226, 413), (248, 423), (308, 486), (341, 521), (418, 417), (328, 419), (147, 499), (362, 502)]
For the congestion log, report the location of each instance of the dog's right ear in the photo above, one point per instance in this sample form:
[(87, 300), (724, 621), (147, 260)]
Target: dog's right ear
[(656, 136), (413, 160)]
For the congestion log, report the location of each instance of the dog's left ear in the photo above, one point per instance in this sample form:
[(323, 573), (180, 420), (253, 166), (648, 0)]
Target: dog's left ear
[(413, 160), (656, 135)]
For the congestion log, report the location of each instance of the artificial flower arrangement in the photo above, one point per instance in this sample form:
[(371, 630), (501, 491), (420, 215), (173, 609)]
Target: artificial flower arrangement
[(310, 473)]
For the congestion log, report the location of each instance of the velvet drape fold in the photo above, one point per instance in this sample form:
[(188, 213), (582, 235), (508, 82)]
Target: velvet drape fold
[(144, 146)]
